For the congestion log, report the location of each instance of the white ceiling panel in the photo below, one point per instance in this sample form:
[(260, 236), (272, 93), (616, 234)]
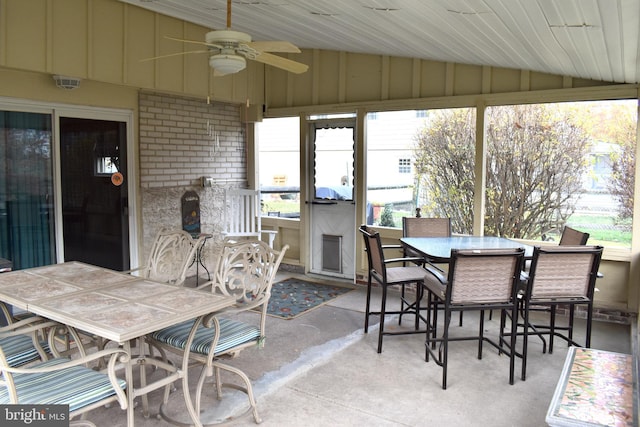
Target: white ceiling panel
[(592, 39)]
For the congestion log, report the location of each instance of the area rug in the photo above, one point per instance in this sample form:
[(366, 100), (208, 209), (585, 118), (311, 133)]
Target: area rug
[(292, 297)]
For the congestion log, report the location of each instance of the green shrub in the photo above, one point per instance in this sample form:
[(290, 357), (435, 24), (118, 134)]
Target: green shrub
[(386, 218)]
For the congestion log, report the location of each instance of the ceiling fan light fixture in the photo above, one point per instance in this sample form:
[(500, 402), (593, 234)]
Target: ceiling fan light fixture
[(226, 63)]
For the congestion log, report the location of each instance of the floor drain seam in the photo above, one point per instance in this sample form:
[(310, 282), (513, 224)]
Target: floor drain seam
[(308, 359)]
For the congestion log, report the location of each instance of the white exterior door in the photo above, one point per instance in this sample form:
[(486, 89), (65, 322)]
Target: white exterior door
[(332, 202)]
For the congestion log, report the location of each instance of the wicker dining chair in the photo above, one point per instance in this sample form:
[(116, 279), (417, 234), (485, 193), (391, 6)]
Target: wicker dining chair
[(246, 270), (386, 277), (480, 279), (560, 276), (425, 227), (572, 237)]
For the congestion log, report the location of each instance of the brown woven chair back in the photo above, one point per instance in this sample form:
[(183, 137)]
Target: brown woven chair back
[(375, 253), (484, 276), (426, 227), (564, 271), (571, 237)]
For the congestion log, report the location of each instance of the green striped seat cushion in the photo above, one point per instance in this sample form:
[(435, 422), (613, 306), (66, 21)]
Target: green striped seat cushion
[(19, 349), (232, 334), (76, 386)]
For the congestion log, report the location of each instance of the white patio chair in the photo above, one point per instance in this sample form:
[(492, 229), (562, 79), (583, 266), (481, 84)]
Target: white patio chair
[(63, 381), (243, 216), (172, 253), (23, 342), (245, 270)]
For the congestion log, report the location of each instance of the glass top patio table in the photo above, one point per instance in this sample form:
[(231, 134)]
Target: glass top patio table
[(439, 248)]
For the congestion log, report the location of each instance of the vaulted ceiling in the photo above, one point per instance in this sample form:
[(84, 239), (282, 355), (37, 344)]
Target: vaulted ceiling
[(591, 39)]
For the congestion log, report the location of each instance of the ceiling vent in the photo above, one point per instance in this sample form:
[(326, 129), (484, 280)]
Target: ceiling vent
[(64, 82)]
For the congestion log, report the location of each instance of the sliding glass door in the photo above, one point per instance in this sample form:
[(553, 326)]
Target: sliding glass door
[(65, 186), (26, 189)]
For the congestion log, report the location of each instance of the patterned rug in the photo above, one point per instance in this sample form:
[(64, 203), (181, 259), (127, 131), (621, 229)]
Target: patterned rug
[(293, 297)]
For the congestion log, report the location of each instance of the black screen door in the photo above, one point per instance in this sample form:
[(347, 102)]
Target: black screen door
[(93, 167)]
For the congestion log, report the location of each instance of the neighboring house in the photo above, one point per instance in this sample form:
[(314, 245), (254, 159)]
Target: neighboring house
[(389, 154), (600, 164), (390, 143)]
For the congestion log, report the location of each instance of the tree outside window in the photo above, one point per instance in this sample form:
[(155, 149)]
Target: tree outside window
[(444, 166), (541, 167)]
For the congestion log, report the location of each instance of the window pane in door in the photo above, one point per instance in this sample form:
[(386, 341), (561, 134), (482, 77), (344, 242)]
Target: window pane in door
[(333, 163)]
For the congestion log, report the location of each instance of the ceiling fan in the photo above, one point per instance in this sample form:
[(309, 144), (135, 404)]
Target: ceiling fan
[(230, 49)]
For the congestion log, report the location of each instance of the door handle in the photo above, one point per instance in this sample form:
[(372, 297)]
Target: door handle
[(323, 202)]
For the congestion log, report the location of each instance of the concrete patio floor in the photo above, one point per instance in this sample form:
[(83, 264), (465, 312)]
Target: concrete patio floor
[(320, 369)]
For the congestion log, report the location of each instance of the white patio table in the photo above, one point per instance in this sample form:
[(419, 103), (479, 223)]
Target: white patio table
[(110, 304)]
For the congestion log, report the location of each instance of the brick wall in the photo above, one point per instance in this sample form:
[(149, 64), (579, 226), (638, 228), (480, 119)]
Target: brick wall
[(178, 143), (177, 147)]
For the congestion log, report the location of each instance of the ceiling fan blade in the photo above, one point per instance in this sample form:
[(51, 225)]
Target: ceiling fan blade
[(193, 41), (274, 46), (173, 54), (280, 62)]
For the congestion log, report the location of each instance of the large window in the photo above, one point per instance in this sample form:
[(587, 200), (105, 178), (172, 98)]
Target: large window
[(419, 159), (444, 153), (548, 165), (551, 165), (279, 166)]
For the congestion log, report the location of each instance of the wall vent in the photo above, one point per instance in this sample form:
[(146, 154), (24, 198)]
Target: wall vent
[(65, 82)]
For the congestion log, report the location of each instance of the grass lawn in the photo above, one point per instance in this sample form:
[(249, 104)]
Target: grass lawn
[(603, 229)]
